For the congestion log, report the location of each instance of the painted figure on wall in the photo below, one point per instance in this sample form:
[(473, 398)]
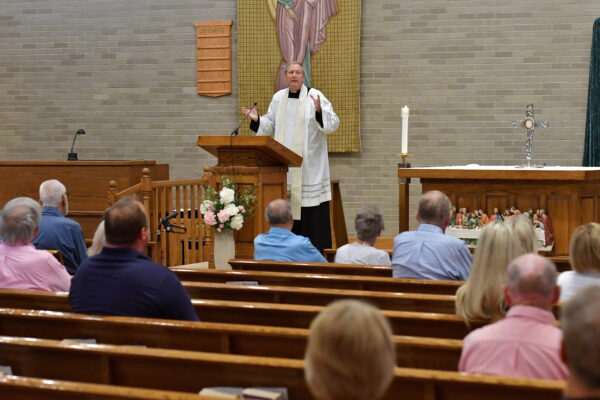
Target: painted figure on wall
[(300, 26)]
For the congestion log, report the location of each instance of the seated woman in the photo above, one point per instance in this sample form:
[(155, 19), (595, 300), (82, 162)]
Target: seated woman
[(525, 232), (584, 255), (369, 225), (98, 241), (350, 353), (481, 297)]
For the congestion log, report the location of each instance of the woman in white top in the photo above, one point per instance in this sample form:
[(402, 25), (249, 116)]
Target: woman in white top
[(369, 225), (584, 255)]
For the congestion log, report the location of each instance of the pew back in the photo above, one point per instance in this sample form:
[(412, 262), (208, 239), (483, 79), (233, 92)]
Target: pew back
[(311, 296), (190, 371), (25, 388), (383, 271), (414, 352), (403, 285), (287, 315)]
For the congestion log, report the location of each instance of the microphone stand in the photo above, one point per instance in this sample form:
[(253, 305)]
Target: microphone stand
[(236, 131), (73, 156)]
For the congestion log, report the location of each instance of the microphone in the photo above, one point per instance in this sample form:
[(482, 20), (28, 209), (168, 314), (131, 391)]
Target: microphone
[(236, 131), (73, 156), (168, 217), (168, 227)]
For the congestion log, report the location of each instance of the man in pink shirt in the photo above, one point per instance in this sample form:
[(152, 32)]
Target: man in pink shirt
[(21, 265), (527, 342)]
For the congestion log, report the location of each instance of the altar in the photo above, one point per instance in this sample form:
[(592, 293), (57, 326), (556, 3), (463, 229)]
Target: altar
[(569, 195)]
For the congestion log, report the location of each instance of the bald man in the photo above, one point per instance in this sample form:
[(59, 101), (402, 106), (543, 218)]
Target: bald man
[(280, 244), (428, 253), (526, 343)]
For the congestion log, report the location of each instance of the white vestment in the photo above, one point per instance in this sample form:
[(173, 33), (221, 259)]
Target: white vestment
[(293, 123)]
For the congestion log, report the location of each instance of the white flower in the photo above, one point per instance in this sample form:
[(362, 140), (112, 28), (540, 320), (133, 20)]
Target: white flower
[(227, 195), (231, 209), (205, 206), (237, 222)]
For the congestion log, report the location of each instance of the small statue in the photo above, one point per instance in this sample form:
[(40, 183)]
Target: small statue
[(484, 217), (548, 231), (496, 216)]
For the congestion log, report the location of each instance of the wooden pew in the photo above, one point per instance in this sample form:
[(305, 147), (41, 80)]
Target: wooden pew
[(189, 371), (414, 352), (382, 271), (321, 281), (309, 296), (24, 388), (405, 323)]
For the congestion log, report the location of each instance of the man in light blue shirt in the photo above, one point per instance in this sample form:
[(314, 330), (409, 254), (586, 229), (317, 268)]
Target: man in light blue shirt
[(428, 253), (280, 244)]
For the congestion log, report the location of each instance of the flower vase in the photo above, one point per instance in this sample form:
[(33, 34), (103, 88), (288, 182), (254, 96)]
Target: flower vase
[(224, 249)]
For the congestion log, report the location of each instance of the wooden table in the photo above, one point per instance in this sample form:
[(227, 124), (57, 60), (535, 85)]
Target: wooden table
[(570, 195)]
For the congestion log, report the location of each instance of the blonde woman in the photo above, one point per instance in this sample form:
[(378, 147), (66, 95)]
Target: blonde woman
[(525, 232), (481, 297), (350, 353), (584, 254), (99, 240)]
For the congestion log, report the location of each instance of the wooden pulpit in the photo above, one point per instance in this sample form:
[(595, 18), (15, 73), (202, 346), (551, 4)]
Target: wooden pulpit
[(250, 160)]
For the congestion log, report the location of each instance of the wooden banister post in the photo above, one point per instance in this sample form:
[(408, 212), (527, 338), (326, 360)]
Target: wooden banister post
[(111, 196), (146, 183)]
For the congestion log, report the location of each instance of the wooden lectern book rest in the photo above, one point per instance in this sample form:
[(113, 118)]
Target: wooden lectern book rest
[(250, 160)]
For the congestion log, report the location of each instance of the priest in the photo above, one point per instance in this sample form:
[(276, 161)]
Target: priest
[(300, 118)]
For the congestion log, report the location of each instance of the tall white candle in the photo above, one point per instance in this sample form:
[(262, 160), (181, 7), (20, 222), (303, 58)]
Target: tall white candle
[(405, 111)]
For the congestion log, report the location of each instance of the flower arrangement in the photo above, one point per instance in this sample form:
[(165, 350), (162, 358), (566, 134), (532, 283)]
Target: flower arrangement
[(229, 208)]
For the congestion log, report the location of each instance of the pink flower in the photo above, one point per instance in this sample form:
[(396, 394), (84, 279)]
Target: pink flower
[(242, 209), (223, 216), (209, 218), (218, 229), (221, 226)]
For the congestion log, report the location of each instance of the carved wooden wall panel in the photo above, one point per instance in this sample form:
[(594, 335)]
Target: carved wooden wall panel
[(213, 58)]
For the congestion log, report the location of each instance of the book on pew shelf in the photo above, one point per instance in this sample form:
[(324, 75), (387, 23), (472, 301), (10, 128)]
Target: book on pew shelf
[(242, 282), (264, 393), (75, 340), (5, 370), (223, 392)]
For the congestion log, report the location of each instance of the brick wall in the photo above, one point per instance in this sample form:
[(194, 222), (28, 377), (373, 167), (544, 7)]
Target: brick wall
[(125, 72)]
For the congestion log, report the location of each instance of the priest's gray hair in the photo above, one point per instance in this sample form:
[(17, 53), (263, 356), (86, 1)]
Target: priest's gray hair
[(51, 193), (580, 322), (368, 224), (279, 212), (288, 65), (434, 207), (18, 220)]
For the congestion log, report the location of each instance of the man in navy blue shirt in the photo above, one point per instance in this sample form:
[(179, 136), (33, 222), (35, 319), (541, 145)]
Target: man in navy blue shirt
[(122, 280), (280, 244), (58, 232)]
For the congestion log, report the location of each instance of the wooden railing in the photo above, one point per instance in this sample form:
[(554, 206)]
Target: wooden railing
[(188, 241)]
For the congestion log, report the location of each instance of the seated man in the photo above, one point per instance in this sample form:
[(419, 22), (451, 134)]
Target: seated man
[(58, 232), (21, 265), (121, 280), (526, 343), (280, 244), (428, 253), (580, 321)]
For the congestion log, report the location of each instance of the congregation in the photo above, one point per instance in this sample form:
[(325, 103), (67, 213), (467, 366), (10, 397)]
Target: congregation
[(509, 291)]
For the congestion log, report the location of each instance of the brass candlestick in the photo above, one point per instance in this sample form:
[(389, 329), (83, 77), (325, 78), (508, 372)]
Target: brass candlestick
[(404, 163)]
